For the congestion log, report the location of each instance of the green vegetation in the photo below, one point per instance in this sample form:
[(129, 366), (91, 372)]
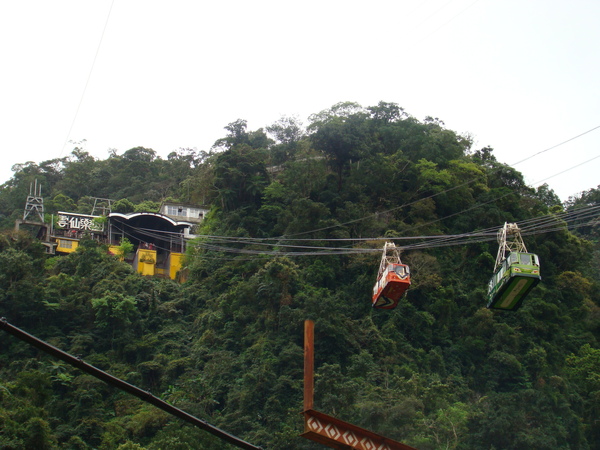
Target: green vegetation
[(440, 371)]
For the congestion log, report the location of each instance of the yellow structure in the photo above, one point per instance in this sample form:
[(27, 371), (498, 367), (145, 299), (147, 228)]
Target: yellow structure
[(146, 261), (114, 250), (146, 264), (175, 264), (66, 245)]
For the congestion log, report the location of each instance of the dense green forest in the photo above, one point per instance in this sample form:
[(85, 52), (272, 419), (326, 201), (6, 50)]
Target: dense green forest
[(438, 372)]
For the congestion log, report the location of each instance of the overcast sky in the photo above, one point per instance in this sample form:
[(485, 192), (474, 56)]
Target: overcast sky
[(519, 76)]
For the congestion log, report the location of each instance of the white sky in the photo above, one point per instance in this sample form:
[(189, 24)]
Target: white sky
[(518, 75)]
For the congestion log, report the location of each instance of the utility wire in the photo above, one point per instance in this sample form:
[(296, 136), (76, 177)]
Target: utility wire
[(223, 243), (570, 168), (312, 250), (455, 187), (557, 145), (551, 223), (87, 81), (584, 216), (448, 21)]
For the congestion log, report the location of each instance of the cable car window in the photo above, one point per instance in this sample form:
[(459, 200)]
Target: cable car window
[(399, 270), (513, 258), (525, 259), (536, 261)]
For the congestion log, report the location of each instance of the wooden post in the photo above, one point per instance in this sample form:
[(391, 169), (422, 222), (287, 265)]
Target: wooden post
[(309, 363), (328, 430)]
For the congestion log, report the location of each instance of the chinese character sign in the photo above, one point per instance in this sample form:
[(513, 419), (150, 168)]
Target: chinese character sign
[(78, 222)]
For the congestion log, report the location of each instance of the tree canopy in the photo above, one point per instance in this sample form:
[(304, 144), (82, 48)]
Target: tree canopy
[(440, 371)]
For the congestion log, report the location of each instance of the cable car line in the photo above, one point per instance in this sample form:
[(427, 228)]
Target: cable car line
[(312, 250), (444, 241), (536, 225), (557, 145), (491, 230), (463, 211), (132, 236), (491, 170), (530, 226), (570, 168), (376, 214)]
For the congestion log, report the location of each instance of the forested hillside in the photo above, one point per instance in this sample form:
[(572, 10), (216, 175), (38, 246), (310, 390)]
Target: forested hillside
[(294, 214)]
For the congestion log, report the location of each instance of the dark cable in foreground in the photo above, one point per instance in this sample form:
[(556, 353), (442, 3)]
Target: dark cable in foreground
[(120, 384)]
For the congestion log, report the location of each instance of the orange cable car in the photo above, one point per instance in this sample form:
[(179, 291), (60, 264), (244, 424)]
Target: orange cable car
[(393, 279)]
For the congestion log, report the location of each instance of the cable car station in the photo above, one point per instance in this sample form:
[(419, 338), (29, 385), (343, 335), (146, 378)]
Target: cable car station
[(158, 239)]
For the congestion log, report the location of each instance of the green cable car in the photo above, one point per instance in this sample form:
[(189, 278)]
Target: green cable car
[(514, 279), (515, 275)]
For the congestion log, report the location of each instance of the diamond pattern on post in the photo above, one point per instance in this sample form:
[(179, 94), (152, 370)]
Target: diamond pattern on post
[(367, 444), (332, 431), (349, 438), (315, 425)]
